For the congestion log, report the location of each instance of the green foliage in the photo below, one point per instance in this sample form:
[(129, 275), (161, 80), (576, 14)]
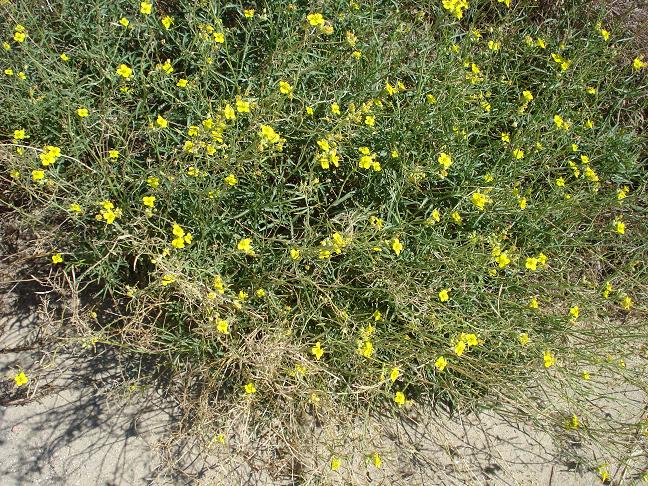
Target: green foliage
[(412, 83)]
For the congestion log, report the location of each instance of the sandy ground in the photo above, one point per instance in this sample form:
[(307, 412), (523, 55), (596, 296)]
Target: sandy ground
[(78, 424)]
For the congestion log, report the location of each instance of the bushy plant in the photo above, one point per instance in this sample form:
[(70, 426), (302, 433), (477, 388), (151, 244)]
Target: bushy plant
[(363, 204)]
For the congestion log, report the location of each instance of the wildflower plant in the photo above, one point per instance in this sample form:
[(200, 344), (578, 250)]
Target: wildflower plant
[(251, 187)]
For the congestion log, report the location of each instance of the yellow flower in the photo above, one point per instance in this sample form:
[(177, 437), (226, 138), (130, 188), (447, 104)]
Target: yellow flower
[(161, 122), (182, 83), (242, 106), (219, 285), (21, 379), (444, 295), (365, 348), (335, 109), (480, 200), (19, 134), (441, 363), (455, 7), (573, 423), (356, 54), (317, 351), (533, 304), (167, 21), (146, 8), (38, 175), (531, 263), (148, 201), (603, 472), (180, 237), (619, 226), (574, 312), (109, 213), (49, 155), (626, 302), (397, 246), (585, 375), (435, 217), (82, 112), (365, 162), (522, 202), (294, 253), (124, 71), (605, 34), (248, 13), (376, 222), (245, 245), (167, 67), (324, 145), (376, 459), (560, 182), (269, 135), (502, 260), (75, 207), (335, 464), (250, 388), (518, 154), (523, 338), (168, 279), (549, 359), (154, 182), (460, 347), (394, 374), (351, 38), (231, 180), (57, 258), (638, 63), (399, 398), (370, 120), (124, 22), (285, 88), (622, 192), (189, 147), (19, 36), (590, 174), (222, 326), (310, 110), (315, 19), (219, 38), (445, 160), (560, 122), (456, 217), (494, 45), (178, 243)]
